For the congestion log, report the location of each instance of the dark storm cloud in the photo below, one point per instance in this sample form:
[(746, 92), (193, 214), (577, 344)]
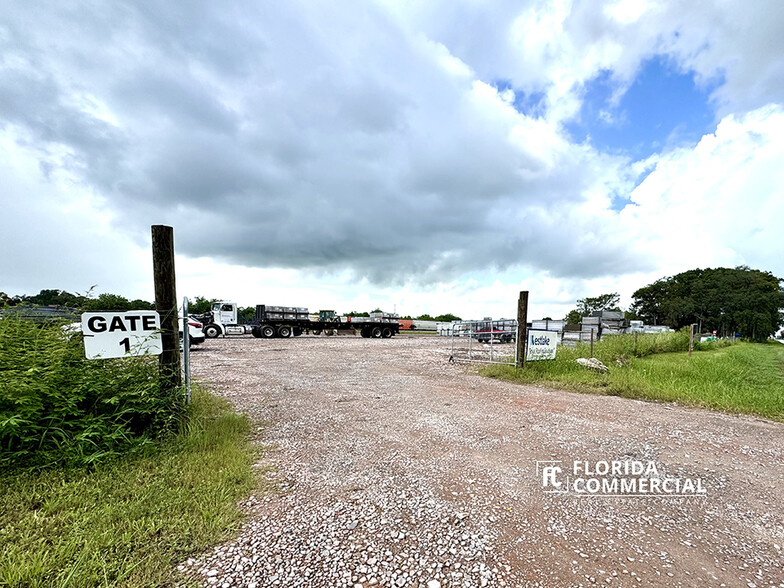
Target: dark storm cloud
[(298, 135)]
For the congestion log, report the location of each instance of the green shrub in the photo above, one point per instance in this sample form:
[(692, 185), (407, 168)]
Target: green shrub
[(56, 407)]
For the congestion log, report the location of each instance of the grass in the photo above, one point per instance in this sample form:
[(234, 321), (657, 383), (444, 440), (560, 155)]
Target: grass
[(129, 521), (737, 378)]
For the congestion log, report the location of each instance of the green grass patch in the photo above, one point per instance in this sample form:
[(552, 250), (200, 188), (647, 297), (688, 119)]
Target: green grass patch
[(738, 378), (128, 521)]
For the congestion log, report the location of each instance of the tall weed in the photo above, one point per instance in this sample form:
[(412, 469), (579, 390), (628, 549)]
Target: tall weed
[(56, 407)]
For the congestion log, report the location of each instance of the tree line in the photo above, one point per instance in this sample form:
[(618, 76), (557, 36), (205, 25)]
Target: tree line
[(53, 297), (116, 303), (726, 300), (740, 300)]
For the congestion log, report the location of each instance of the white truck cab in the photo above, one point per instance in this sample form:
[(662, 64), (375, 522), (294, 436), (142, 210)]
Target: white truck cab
[(224, 320)]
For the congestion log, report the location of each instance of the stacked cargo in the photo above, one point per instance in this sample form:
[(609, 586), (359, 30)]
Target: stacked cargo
[(612, 322), (382, 317), (280, 313), (571, 338), (548, 325), (591, 324)]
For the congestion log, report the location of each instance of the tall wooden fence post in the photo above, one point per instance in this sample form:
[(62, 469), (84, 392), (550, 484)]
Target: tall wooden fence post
[(166, 304), (522, 327), (691, 338)]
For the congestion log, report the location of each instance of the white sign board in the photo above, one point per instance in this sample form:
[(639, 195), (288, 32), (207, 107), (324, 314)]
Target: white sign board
[(121, 334), (541, 345)]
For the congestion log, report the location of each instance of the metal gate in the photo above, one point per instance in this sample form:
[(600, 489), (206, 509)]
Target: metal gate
[(484, 341)]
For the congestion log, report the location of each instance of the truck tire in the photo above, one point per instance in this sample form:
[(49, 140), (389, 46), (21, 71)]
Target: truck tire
[(365, 332), (317, 332), (267, 332), (376, 333), (329, 332), (211, 331), (284, 331), (256, 332), (386, 332)]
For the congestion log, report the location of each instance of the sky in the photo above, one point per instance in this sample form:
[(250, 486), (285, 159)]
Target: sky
[(419, 157)]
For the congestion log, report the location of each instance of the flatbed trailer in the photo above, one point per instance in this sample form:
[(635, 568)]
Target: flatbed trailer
[(281, 321), (289, 321)]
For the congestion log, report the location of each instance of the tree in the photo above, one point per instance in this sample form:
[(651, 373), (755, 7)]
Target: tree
[(447, 318), (573, 318), (139, 304), (104, 302), (246, 314), (425, 317), (53, 297), (200, 305), (739, 300), (108, 302), (354, 313), (588, 305), (585, 306)]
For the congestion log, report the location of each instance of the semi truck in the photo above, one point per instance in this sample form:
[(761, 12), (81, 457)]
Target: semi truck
[(288, 321)]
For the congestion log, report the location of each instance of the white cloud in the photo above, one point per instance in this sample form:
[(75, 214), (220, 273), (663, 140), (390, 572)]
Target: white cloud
[(557, 46), (56, 233), (720, 203), (365, 147)]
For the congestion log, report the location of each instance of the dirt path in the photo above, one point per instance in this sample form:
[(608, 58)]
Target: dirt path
[(400, 469)]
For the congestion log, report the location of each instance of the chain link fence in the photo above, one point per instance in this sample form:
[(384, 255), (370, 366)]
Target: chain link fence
[(484, 341)]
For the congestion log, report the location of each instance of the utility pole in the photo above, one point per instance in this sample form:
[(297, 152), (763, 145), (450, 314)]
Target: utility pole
[(166, 304)]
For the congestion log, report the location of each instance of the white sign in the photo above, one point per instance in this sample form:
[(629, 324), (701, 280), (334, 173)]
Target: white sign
[(541, 345), (121, 334)]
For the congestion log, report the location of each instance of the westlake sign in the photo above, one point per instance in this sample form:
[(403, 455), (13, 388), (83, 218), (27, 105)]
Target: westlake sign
[(541, 345), (121, 334)]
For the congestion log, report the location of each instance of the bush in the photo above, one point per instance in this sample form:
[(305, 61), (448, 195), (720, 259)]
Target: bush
[(56, 407)]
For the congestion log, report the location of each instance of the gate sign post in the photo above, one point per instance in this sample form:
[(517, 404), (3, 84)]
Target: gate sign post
[(121, 334), (541, 345)]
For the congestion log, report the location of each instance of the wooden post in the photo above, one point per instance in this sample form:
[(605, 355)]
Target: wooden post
[(166, 304), (591, 342), (691, 338), (522, 328)]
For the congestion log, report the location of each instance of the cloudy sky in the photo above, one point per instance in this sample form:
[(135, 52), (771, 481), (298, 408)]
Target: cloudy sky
[(418, 156)]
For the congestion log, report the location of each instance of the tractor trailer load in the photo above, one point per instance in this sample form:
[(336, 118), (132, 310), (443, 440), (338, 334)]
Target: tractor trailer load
[(288, 321)]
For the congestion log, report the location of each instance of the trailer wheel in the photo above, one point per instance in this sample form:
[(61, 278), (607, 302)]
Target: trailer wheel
[(267, 332), (317, 332), (211, 331), (386, 333), (284, 331), (365, 332), (376, 333), (329, 332)]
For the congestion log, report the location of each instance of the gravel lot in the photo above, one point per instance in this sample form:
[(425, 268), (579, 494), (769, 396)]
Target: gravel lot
[(397, 468)]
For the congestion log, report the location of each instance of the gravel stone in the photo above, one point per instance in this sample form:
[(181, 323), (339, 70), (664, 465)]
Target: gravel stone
[(394, 467)]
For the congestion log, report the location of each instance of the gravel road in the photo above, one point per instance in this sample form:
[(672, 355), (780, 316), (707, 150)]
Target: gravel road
[(396, 468)]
